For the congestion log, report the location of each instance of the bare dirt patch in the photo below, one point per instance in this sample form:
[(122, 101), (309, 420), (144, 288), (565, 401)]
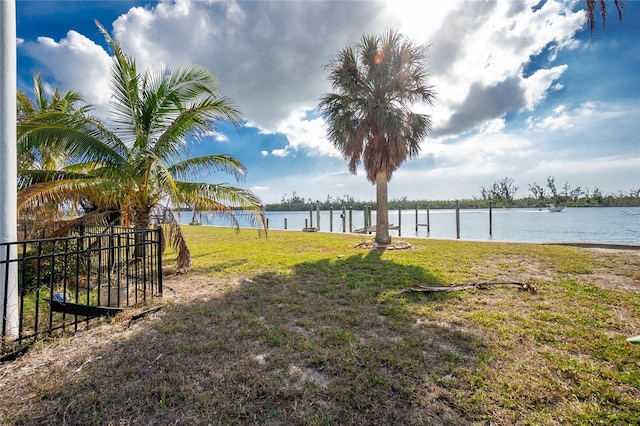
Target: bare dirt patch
[(616, 269)]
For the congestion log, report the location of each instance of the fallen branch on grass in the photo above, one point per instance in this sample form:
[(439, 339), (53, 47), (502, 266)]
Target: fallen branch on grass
[(460, 287)]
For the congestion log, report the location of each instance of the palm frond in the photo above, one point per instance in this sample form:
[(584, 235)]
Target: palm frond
[(81, 138), (165, 185), (173, 232), (197, 167), (225, 200), (125, 83), (32, 177), (96, 217), (24, 105), (592, 5), (52, 192), (57, 188), (198, 117)]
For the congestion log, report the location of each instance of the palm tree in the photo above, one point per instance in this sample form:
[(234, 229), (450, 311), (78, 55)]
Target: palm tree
[(42, 158), (29, 109), (375, 84), (591, 6), (141, 167)]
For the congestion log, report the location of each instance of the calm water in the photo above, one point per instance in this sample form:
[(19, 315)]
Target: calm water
[(579, 224)]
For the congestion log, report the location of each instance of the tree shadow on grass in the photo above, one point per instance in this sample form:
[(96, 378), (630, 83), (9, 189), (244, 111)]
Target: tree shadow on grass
[(329, 343)]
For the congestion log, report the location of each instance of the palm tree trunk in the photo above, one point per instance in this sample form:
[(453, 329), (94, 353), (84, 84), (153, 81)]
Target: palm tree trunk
[(143, 217), (382, 209), (141, 222)]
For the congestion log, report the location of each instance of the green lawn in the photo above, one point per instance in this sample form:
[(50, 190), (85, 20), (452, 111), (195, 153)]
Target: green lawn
[(303, 328)]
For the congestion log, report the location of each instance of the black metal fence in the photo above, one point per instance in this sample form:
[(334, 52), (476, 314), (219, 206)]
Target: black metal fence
[(64, 282)]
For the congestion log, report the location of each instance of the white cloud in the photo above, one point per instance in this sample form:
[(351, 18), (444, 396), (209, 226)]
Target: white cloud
[(604, 172), (476, 83), (479, 154), (402, 14), (308, 134), (280, 153), (268, 56), (559, 119), (540, 83), (588, 112), (78, 64), (577, 166), (219, 137)]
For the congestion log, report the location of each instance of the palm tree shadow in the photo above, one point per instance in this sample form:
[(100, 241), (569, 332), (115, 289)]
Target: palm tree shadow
[(332, 342)]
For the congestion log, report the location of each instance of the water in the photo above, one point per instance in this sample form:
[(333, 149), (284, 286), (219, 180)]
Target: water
[(574, 224)]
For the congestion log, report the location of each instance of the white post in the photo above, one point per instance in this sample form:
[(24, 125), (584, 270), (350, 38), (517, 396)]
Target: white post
[(8, 169)]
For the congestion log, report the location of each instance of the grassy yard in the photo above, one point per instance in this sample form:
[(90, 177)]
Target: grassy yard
[(304, 329)]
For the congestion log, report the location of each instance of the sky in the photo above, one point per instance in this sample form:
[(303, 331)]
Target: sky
[(523, 89)]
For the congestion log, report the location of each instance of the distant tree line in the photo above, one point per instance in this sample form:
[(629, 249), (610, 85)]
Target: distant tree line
[(296, 203), (501, 194)]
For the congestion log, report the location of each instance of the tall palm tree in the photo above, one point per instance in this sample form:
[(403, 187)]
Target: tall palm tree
[(141, 167), (376, 83), (591, 6)]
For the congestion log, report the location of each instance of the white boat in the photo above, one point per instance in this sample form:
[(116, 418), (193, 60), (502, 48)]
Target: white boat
[(554, 209)]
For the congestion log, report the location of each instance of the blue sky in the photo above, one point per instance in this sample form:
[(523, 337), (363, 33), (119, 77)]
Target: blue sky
[(523, 90)]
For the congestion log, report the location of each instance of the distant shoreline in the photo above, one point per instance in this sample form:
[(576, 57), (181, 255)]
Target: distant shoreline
[(596, 245), (422, 206)]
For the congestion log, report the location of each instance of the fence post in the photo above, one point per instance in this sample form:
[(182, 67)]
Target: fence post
[(318, 215), (52, 274), (111, 249), (350, 219), (457, 220), (428, 223), (81, 239), (159, 228), (285, 223), (399, 222), (310, 216), (416, 218), (99, 251), (343, 216)]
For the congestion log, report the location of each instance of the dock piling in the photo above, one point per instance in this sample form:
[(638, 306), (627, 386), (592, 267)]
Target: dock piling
[(457, 220)]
